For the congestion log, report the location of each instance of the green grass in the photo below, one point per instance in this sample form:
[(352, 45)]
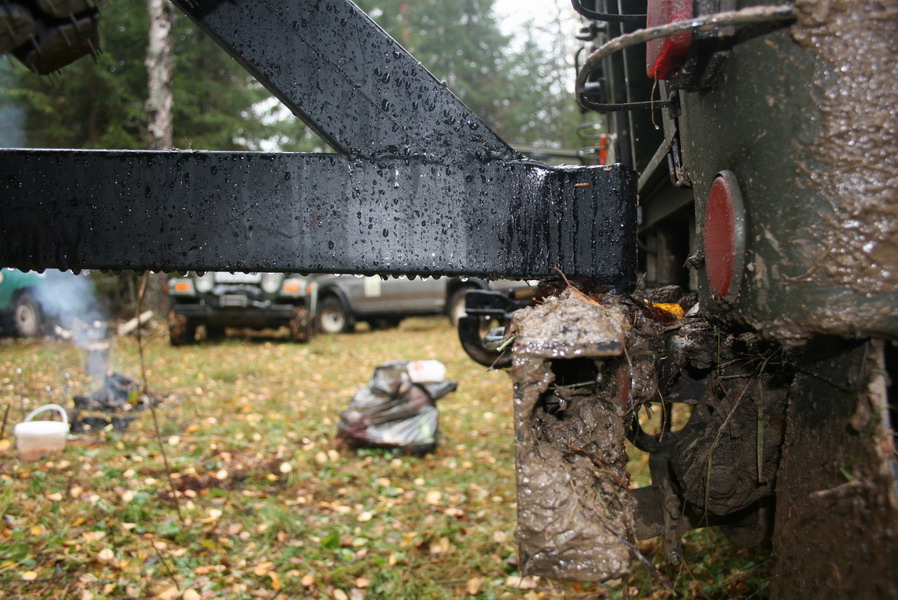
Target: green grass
[(270, 507)]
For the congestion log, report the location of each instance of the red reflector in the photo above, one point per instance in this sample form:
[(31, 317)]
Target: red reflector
[(602, 148), (664, 56), (724, 235)]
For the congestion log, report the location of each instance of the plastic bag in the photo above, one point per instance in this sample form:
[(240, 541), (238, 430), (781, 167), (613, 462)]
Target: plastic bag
[(394, 411)]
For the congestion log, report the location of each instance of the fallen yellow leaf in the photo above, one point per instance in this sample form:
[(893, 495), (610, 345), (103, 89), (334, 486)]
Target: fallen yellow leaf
[(474, 585), (672, 308), (441, 546), (5, 445), (106, 555), (29, 575), (169, 593), (522, 583), (275, 580), (307, 581), (93, 536), (190, 594), (214, 515)]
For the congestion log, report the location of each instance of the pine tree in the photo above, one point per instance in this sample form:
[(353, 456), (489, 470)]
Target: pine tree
[(102, 104)]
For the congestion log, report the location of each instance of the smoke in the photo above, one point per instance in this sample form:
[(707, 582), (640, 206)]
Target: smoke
[(12, 116), (12, 134), (69, 300)]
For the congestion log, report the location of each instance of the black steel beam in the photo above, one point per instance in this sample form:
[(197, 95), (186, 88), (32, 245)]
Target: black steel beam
[(336, 69), (178, 211)]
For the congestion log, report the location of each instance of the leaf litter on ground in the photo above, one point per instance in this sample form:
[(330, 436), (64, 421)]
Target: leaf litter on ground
[(270, 506)]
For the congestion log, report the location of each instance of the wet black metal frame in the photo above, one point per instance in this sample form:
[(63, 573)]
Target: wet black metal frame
[(421, 184)]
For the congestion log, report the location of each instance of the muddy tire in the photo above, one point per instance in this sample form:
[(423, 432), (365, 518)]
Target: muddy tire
[(300, 325), (332, 317), (181, 331), (27, 319)]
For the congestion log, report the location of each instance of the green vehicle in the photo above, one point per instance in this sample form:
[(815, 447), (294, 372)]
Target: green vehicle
[(252, 300), (20, 311)]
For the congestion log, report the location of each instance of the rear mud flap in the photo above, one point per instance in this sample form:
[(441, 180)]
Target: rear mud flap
[(836, 533), (575, 508)]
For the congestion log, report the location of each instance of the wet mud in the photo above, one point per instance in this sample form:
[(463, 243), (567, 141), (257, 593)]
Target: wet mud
[(836, 531), (575, 510), (853, 162)]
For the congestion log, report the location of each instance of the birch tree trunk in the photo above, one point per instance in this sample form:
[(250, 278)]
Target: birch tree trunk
[(159, 71)]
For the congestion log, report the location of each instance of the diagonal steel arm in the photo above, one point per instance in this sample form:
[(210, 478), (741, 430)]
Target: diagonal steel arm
[(337, 70)]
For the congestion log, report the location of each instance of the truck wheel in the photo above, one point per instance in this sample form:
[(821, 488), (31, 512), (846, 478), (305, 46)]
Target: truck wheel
[(332, 317), (26, 316), (181, 330), (455, 308), (300, 325)]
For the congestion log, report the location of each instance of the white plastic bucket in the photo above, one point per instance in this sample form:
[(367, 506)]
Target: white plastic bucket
[(35, 439)]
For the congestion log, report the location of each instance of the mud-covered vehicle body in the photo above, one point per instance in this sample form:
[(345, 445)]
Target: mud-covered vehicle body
[(218, 300), (760, 148)]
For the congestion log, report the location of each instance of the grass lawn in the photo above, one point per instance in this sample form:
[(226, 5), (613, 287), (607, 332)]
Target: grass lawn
[(269, 506)]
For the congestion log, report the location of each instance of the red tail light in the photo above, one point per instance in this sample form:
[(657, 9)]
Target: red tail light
[(665, 56)]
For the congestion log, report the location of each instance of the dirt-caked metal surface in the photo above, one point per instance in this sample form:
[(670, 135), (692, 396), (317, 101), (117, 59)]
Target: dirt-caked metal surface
[(575, 511), (805, 118), (836, 531)]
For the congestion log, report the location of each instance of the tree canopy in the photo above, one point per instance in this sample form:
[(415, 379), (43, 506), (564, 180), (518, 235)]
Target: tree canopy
[(101, 104), (513, 84)]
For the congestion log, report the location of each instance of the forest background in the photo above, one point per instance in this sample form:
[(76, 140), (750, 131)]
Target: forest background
[(518, 82)]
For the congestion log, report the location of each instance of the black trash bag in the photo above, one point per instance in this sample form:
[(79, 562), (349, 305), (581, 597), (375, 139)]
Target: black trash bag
[(394, 412)]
